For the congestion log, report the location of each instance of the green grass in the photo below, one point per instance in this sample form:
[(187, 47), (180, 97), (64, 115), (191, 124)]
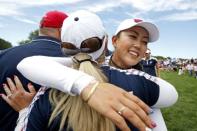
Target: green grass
[(183, 115)]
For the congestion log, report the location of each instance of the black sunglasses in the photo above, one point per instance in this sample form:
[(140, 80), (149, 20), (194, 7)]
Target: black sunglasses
[(87, 46)]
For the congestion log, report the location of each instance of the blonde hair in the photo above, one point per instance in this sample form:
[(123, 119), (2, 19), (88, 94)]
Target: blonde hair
[(73, 110)]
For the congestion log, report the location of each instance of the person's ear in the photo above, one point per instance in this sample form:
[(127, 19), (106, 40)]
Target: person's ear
[(59, 33), (144, 55), (114, 41)]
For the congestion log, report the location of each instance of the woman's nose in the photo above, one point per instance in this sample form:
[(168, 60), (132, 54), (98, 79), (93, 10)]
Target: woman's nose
[(136, 44)]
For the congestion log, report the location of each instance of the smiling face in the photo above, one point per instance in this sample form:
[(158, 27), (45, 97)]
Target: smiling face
[(130, 46)]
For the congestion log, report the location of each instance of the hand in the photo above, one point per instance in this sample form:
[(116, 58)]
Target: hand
[(117, 104), (17, 97)]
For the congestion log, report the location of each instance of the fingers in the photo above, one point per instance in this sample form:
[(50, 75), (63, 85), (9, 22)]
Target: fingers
[(11, 85), (31, 88), (17, 97), (140, 108), (104, 105), (18, 83), (134, 119), (118, 120), (5, 98), (117, 104), (132, 115), (7, 90), (139, 102), (132, 108), (10, 102)]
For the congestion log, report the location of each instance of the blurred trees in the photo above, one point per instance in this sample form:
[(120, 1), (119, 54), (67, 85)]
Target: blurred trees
[(4, 44), (160, 57), (32, 35)]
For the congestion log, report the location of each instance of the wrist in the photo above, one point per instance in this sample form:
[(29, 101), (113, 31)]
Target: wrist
[(89, 90), (81, 83)]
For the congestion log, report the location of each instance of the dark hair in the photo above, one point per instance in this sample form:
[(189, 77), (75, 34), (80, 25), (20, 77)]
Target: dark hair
[(138, 66), (118, 34)]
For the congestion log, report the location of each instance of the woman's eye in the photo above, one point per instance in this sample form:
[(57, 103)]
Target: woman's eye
[(133, 36), (145, 42)]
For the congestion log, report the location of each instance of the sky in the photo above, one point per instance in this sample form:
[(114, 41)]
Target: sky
[(176, 20)]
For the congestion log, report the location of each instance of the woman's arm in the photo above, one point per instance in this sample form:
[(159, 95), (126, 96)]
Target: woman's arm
[(167, 94), (51, 72), (55, 73), (157, 117)]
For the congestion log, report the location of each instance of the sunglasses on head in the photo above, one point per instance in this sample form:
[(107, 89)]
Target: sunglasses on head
[(87, 46)]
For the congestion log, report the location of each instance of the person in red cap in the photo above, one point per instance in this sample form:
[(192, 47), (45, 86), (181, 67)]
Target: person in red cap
[(46, 44), (51, 24)]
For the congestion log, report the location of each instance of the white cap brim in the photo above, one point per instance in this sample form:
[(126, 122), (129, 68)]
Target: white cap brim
[(150, 27)]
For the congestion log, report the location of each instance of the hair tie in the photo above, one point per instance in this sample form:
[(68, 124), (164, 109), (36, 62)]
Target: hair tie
[(82, 57), (81, 61)]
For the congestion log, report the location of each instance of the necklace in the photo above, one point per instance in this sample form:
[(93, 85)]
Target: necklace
[(112, 63)]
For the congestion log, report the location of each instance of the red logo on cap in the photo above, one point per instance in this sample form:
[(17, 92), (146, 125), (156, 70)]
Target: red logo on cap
[(137, 20)]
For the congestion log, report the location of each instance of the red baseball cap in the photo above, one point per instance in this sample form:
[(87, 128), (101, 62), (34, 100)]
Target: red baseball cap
[(53, 19)]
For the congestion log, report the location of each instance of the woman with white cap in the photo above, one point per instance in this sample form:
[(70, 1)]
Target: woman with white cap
[(130, 42), (44, 74)]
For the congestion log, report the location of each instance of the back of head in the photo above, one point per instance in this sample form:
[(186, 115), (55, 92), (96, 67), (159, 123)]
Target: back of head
[(51, 22), (80, 26), (53, 19), (84, 29)]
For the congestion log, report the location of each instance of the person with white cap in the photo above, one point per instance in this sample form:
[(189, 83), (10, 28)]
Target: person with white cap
[(62, 78), (130, 42), (150, 64)]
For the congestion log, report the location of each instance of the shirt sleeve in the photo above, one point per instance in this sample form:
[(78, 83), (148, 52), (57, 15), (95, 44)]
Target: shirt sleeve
[(54, 72), (157, 117), (167, 94)]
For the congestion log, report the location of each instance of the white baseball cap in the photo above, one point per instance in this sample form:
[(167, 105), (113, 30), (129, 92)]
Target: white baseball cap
[(81, 25), (148, 51), (150, 27)]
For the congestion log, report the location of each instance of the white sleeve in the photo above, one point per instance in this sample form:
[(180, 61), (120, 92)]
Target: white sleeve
[(157, 117), (167, 94), (67, 61), (52, 72)]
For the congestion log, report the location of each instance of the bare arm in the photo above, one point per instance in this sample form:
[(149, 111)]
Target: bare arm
[(54, 72)]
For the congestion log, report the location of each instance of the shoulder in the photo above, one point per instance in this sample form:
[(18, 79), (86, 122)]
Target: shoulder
[(153, 58)]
